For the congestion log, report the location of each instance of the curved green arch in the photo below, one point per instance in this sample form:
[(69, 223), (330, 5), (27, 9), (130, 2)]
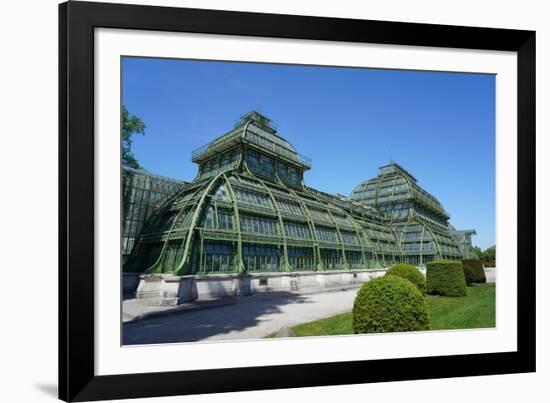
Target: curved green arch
[(183, 266)]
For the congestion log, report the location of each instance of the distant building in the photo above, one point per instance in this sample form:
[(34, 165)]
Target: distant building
[(464, 240), (249, 211)]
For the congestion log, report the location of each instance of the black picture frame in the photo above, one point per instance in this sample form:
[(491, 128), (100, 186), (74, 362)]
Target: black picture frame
[(77, 21)]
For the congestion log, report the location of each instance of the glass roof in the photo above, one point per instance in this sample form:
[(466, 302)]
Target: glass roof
[(395, 184)]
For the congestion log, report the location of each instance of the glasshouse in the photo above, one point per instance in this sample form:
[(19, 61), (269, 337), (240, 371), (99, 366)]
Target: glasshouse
[(249, 211)]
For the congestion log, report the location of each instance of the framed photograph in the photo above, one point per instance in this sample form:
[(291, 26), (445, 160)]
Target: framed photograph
[(257, 201)]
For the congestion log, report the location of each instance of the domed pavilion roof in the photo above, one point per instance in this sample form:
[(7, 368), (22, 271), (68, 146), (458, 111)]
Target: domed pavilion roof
[(257, 131), (394, 184)]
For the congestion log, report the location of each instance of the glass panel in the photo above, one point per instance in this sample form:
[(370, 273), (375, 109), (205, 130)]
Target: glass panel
[(297, 230), (327, 234), (258, 224), (253, 198), (217, 257), (331, 258), (301, 258), (289, 207), (261, 257)]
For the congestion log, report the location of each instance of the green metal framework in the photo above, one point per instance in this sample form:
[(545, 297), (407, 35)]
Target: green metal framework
[(417, 218), (143, 193), (249, 211)]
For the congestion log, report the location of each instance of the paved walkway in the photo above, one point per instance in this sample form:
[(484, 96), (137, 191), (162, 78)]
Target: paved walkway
[(250, 317), (138, 309)]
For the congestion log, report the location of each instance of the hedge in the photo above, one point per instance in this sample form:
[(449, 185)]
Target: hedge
[(445, 277), (409, 272), (473, 271), (389, 304)]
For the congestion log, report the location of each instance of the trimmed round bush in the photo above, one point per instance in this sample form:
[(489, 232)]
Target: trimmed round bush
[(445, 277), (473, 271), (389, 304), (409, 272)]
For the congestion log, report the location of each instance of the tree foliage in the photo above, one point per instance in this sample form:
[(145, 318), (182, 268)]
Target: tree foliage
[(488, 256), (131, 125)]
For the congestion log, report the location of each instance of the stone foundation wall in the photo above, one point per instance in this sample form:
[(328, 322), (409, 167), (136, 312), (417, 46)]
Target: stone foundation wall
[(174, 290)]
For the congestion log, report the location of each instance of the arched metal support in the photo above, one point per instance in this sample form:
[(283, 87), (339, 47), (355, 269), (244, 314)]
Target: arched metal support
[(418, 220), (344, 259), (359, 232), (239, 264), (379, 261), (149, 224), (422, 243), (436, 242), (286, 263), (392, 195), (378, 185), (410, 219), (317, 252), (153, 268), (184, 266), (242, 159)]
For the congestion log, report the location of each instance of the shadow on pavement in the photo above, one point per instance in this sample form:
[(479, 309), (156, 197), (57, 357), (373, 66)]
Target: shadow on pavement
[(200, 324)]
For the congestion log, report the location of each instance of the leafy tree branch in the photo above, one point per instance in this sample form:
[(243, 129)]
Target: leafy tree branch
[(131, 125)]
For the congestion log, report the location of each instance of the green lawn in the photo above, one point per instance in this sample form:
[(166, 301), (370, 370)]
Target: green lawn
[(476, 310)]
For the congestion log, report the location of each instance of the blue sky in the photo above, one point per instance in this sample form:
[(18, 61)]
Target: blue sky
[(350, 121)]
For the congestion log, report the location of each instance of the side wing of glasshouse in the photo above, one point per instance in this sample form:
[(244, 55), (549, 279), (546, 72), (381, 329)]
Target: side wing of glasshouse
[(417, 218)]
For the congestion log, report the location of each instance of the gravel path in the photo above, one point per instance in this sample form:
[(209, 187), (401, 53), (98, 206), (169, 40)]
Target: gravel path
[(251, 317)]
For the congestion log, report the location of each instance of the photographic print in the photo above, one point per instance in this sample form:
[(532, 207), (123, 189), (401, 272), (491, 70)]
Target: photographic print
[(271, 200)]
